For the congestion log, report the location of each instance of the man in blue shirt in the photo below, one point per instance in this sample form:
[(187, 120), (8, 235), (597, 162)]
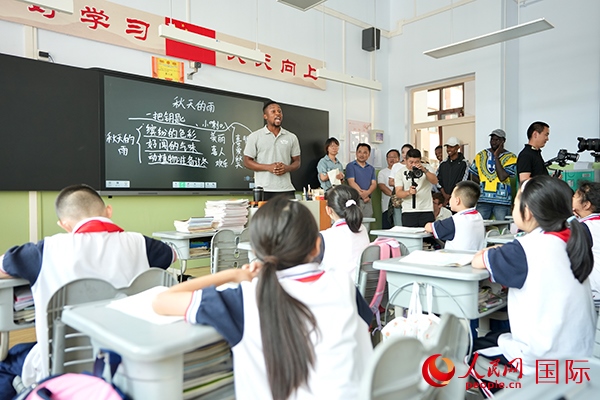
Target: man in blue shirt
[(361, 176)]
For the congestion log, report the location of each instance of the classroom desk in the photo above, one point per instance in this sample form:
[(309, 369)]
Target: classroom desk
[(181, 242), (412, 241), (501, 239), (460, 283), (7, 322), (152, 354), (246, 246), (500, 224)]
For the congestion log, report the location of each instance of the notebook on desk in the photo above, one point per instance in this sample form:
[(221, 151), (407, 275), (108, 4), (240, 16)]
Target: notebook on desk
[(140, 306), (439, 258), (406, 229)]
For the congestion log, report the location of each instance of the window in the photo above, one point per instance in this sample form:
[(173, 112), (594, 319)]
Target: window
[(441, 110)]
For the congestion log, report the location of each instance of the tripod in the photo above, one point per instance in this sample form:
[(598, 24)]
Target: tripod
[(414, 196)]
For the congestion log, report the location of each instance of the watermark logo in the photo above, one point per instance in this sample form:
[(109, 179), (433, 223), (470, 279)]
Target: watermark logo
[(433, 375)]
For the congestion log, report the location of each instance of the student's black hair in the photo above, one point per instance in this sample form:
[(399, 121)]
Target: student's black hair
[(550, 201), (537, 126), (407, 145), (392, 151), (338, 198), (413, 153), (363, 145), (590, 191), (267, 104), (439, 147), (283, 234), (328, 143), (468, 192), (78, 202), (439, 197)]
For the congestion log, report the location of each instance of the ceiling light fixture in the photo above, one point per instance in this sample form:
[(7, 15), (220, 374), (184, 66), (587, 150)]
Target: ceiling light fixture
[(502, 35), (302, 5), (170, 32), (65, 6), (348, 79)]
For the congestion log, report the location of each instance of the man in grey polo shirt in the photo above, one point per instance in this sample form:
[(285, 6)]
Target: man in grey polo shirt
[(272, 153)]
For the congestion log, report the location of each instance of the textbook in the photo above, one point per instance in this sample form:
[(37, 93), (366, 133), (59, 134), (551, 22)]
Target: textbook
[(194, 224), (440, 258)]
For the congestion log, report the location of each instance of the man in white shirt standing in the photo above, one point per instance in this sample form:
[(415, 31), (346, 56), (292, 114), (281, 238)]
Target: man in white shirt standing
[(413, 185), (392, 157)]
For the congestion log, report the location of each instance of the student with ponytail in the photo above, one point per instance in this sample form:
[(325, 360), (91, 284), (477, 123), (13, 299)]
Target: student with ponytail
[(550, 307), (295, 331), (586, 206), (347, 237)]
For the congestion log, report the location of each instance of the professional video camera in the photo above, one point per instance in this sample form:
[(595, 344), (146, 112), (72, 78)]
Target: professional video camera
[(412, 174), (592, 145), (562, 158)]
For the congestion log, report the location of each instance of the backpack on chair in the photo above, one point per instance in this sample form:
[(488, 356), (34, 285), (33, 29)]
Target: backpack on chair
[(388, 248)]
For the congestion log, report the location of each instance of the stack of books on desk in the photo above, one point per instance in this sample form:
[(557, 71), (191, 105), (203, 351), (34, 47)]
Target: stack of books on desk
[(208, 373), (228, 214), (194, 225)]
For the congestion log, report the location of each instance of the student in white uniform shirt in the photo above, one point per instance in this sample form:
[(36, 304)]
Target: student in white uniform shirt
[(586, 205), (295, 331), (347, 238), (550, 306), (465, 229)]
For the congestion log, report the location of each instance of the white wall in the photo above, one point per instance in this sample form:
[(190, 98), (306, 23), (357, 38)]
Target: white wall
[(553, 76)]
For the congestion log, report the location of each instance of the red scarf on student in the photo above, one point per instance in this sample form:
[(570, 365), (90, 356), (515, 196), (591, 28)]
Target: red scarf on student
[(96, 225)]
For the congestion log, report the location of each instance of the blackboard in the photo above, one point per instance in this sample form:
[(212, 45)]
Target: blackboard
[(50, 125), (167, 137), (64, 125), (162, 137)]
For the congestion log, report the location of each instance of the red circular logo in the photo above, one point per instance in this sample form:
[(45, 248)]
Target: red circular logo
[(433, 375)]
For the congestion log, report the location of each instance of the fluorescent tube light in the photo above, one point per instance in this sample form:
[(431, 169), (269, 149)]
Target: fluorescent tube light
[(179, 35), (502, 35), (349, 79), (65, 6)]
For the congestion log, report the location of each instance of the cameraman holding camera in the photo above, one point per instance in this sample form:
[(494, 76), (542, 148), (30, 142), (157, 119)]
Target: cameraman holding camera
[(530, 162), (413, 185)]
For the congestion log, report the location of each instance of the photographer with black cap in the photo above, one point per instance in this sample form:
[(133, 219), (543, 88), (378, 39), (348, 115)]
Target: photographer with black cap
[(413, 185)]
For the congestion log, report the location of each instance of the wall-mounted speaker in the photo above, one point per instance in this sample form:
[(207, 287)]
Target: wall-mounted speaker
[(370, 39)]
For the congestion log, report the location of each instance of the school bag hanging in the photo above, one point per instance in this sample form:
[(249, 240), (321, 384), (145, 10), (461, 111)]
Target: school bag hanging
[(388, 248), (415, 324), (84, 386)]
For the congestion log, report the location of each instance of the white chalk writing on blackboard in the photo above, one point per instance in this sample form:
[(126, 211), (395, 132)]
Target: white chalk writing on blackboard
[(164, 138), (200, 105)]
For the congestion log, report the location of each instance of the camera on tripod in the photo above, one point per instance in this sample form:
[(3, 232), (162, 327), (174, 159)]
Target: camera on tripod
[(415, 173), (592, 145)]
